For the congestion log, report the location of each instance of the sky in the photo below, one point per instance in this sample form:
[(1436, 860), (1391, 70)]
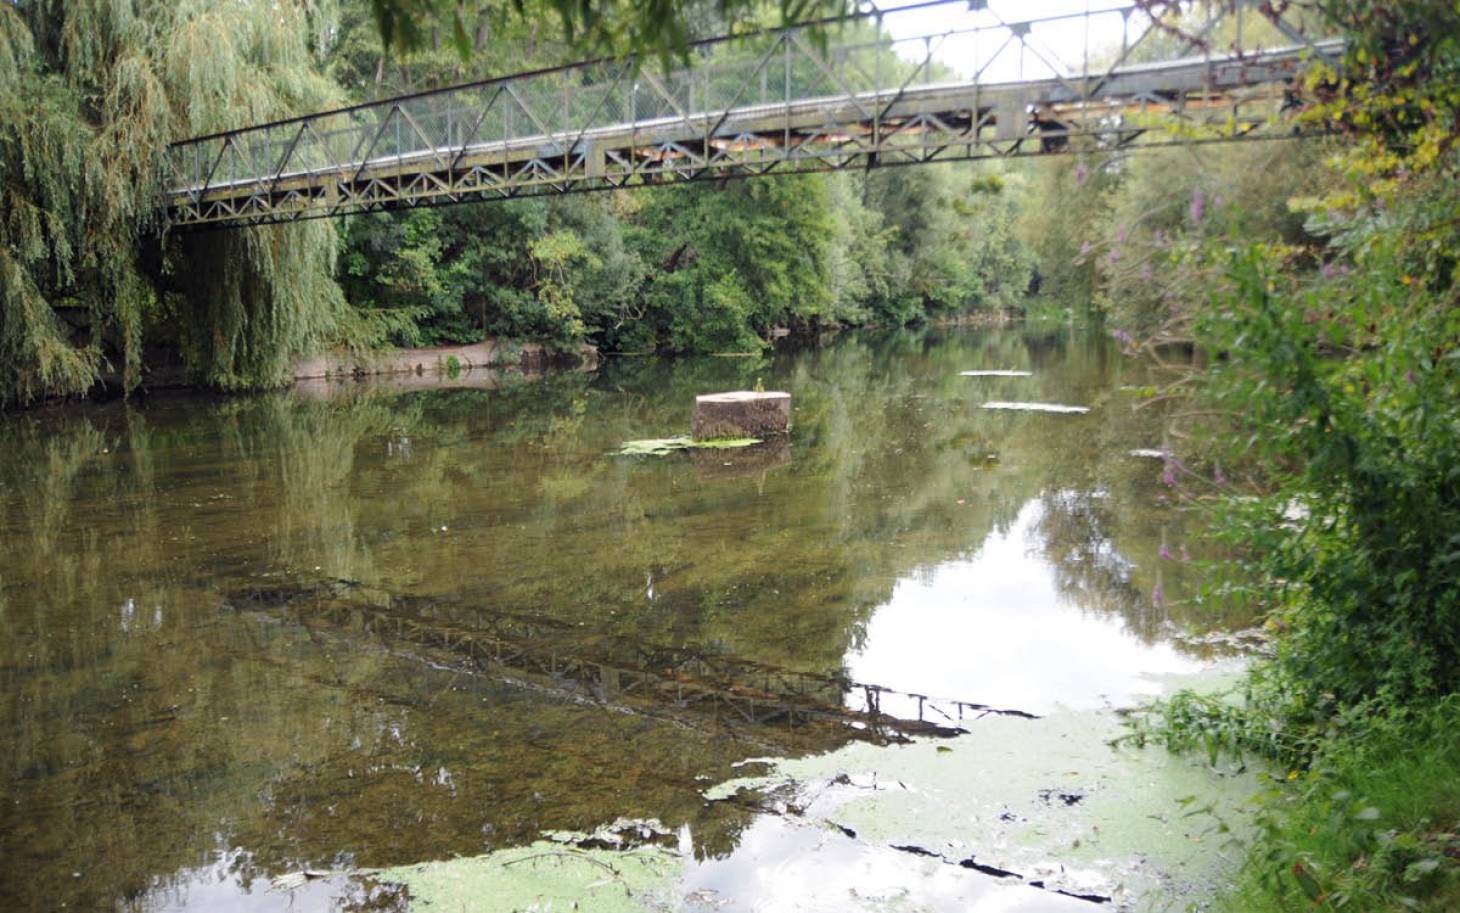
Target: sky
[(978, 36)]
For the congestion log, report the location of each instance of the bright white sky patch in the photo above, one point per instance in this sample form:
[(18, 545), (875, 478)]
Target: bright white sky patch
[(980, 41)]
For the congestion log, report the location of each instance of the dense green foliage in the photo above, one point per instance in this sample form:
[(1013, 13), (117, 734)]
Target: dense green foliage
[(698, 268), (1333, 398), (85, 283), (661, 27), (1370, 826)]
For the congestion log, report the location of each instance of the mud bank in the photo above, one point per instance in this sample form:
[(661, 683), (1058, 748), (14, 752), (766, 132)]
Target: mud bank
[(439, 361)]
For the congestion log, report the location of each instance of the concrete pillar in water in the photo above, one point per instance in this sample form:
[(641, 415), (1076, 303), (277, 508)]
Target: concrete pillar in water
[(742, 413)]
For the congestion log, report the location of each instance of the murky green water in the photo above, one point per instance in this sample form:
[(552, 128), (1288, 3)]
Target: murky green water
[(247, 637)]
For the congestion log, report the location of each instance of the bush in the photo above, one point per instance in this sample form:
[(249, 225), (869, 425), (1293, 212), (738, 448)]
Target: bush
[(1371, 826)]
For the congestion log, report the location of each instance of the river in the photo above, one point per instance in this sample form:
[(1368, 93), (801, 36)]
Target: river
[(362, 647)]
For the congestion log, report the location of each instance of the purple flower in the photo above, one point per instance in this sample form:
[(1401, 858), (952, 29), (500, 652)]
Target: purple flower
[(1081, 172), (1198, 206), (1114, 256), (1409, 376), (1164, 552), (1085, 248), (1122, 336), (1329, 270), (1168, 477), (1158, 596)]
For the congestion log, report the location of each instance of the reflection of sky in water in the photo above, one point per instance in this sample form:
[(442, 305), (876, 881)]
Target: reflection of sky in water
[(995, 629), (784, 867), (221, 887)]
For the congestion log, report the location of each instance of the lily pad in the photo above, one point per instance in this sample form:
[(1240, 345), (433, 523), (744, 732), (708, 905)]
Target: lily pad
[(664, 445)]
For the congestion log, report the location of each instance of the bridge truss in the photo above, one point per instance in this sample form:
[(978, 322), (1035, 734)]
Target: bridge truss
[(842, 95)]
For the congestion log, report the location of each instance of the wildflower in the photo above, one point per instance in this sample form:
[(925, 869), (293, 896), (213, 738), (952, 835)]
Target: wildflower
[(1081, 172), (1164, 552), (1158, 596), (1198, 206)]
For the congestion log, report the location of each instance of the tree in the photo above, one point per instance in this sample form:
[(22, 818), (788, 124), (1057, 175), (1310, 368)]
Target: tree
[(90, 94)]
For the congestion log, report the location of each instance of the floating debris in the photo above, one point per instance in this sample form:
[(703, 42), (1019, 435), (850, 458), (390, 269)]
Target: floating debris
[(1147, 453), (291, 881), (621, 834), (665, 445), (1038, 407), (996, 373)]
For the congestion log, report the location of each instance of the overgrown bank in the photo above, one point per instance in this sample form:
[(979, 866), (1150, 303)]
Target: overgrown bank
[(1322, 433)]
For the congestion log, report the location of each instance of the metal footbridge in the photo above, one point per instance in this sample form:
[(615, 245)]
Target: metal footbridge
[(851, 93)]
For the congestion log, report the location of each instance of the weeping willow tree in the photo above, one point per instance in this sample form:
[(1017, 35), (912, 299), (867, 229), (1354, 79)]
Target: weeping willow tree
[(91, 91)]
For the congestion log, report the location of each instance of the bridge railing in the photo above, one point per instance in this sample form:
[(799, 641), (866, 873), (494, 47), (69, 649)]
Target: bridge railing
[(867, 61)]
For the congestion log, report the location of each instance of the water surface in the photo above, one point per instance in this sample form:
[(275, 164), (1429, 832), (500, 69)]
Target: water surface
[(245, 637)]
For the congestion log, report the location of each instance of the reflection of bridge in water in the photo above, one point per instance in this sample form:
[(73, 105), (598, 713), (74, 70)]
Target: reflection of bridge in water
[(808, 98), (690, 686)]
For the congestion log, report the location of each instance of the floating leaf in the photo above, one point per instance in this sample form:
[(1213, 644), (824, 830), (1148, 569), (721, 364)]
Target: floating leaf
[(665, 445)]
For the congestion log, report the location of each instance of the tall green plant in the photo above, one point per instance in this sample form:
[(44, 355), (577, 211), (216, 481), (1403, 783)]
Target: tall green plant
[(90, 94)]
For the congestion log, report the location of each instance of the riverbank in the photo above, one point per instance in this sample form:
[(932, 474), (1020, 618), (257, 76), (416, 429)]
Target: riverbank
[(1373, 824)]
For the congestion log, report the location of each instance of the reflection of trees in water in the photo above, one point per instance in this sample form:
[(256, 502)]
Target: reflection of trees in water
[(126, 767), (1076, 531)]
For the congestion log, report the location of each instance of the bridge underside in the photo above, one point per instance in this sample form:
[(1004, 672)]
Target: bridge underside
[(498, 140)]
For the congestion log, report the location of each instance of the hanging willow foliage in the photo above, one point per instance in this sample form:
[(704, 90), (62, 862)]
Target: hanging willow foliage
[(91, 91)]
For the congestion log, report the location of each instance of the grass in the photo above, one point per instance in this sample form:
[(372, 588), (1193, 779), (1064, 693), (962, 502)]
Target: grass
[(1373, 825)]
